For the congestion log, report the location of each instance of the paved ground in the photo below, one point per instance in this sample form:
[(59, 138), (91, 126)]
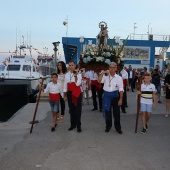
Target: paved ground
[(91, 149)]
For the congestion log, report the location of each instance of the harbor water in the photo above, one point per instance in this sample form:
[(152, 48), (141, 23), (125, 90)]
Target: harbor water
[(12, 102)]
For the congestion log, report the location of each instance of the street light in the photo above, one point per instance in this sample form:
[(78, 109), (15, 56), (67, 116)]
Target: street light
[(134, 29), (81, 42), (118, 43), (56, 44)]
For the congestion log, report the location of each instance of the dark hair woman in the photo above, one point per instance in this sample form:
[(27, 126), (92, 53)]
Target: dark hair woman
[(61, 67)]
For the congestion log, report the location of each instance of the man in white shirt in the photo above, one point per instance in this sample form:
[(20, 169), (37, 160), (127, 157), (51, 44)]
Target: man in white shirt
[(113, 95), (95, 87), (124, 76), (131, 77), (72, 92)]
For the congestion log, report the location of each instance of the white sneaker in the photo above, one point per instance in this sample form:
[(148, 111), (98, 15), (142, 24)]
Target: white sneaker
[(166, 115)]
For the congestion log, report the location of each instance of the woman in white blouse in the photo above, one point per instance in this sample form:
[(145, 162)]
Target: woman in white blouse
[(61, 76)]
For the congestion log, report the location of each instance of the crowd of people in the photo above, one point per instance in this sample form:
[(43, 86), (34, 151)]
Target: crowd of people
[(110, 87)]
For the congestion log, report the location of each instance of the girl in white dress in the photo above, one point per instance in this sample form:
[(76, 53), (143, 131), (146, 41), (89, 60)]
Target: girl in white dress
[(61, 76)]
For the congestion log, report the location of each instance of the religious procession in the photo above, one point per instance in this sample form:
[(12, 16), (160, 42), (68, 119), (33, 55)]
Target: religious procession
[(107, 83)]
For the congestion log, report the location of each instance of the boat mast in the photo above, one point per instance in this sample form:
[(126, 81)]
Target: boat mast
[(16, 44)]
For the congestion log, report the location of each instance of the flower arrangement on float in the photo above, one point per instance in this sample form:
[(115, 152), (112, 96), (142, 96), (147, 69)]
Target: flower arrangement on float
[(98, 57)]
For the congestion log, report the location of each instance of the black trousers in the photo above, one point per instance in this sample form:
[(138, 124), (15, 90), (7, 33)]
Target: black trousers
[(75, 111), (124, 101), (62, 103), (116, 115), (99, 94), (131, 83)]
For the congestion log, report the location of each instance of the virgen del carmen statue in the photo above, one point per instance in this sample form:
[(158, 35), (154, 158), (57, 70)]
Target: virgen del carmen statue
[(98, 56)]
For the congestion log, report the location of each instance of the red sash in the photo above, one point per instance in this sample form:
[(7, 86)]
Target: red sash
[(97, 84), (55, 96), (124, 83), (76, 91), (85, 78)]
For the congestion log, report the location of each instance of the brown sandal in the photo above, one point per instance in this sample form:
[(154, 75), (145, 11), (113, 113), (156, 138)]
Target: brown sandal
[(58, 115), (61, 119)]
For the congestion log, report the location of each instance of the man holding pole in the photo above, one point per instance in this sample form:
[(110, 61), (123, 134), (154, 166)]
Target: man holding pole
[(113, 95), (72, 93)]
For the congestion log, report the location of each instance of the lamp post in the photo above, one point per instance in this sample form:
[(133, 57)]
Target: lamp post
[(117, 45), (81, 42), (134, 29), (81, 51), (56, 44)]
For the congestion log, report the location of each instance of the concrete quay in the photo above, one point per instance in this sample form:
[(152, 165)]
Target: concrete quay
[(90, 150)]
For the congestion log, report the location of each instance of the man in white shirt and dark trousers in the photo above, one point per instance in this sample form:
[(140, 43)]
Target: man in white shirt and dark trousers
[(131, 77), (95, 87), (113, 95), (72, 93), (124, 76)]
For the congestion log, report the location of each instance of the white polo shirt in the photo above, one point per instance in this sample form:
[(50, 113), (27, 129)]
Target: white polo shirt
[(92, 75), (147, 93), (53, 88), (69, 77), (112, 83)]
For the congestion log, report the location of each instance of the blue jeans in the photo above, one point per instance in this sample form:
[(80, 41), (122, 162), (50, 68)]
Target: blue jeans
[(54, 105), (158, 88)]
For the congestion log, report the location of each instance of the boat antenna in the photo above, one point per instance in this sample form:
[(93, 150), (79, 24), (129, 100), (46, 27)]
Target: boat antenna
[(16, 44), (27, 39), (30, 39)]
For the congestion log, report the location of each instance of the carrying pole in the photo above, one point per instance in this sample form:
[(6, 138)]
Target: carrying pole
[(39, 94), (138, 103)]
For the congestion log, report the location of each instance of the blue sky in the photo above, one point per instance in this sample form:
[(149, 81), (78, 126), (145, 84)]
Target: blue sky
[(44, 18)]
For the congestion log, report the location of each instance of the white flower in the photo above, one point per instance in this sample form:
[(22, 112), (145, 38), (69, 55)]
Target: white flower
[(89, 42), (92, 53), (118, 60), (107, 61), (88, 58), (85, 60), (108, 54), (99, 59)]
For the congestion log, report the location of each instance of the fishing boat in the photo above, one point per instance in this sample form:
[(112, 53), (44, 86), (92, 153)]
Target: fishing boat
[(20, 71)]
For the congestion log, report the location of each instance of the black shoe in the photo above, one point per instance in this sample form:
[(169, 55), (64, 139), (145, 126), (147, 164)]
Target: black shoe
[(107, 130), (132, 90), (119, 131), (146, 127), (124, 111), (100, 110), (52, 129), (79, 130), (94, 109), (159, 102), (71, 128), (143, 131)]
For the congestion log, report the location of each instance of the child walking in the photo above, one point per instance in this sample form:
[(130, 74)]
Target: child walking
[(148, 100), (54, 90)]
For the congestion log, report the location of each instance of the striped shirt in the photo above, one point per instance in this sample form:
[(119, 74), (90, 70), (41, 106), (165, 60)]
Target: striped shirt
[(147, 93)]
